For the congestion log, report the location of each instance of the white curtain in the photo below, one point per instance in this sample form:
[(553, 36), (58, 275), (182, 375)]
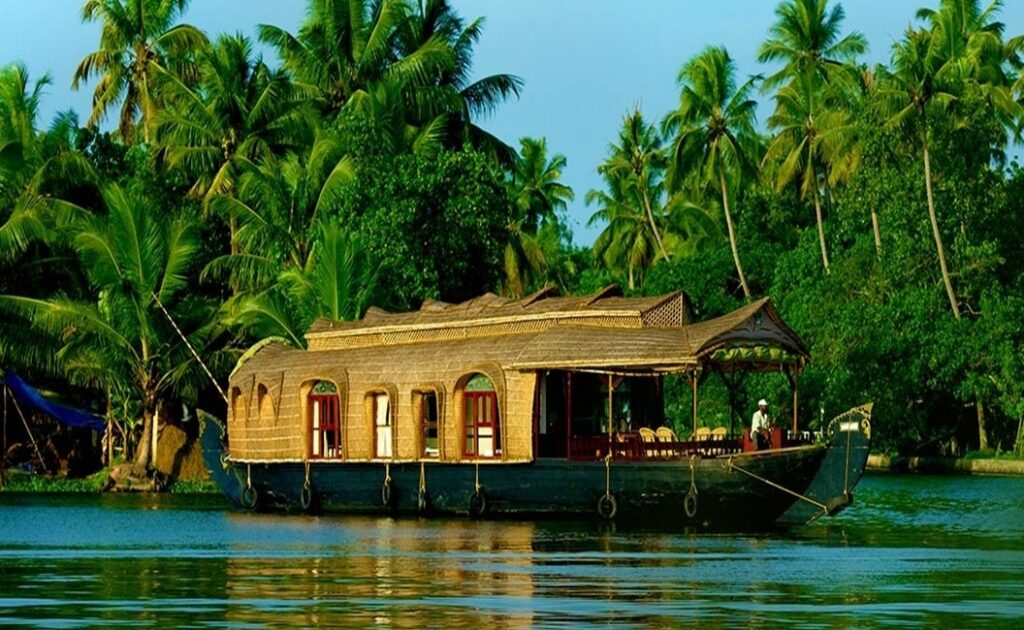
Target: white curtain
[(383, 422)]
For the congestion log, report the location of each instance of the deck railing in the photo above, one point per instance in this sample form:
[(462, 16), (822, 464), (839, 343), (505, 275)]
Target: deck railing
[(631, 447)]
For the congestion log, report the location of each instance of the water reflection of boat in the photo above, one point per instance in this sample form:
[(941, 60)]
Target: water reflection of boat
[(541, 406)]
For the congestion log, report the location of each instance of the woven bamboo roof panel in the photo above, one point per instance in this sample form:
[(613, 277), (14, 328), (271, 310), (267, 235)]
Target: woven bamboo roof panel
[(583, 347), (492, 315), (757, 323)]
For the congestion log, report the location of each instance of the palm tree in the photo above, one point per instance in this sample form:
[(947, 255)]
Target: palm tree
[(133, 259), (806, 137), (968, 40), (346, 46), (277, 209), (453, 92), (338, 281), (240, 114), (626, 245), (137, 38), (911, 93), (806, 39), (35, 166), (638, 160), (537, 189), (537, 195), (713, 131)]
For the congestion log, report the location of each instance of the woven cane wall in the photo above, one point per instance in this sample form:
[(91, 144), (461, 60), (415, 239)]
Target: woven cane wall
[(282, 379), (359, 339)]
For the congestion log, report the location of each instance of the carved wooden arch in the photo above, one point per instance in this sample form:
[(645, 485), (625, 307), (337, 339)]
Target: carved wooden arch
[(298, 379), (494, 372), (393, 403), (441, 393), (236, 392)]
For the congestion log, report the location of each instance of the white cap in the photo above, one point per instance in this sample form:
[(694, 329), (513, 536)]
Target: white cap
[(762, 403)]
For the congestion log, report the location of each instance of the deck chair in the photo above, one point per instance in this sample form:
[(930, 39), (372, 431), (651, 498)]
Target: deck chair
[(718, 434), (666, 434), (647, 435)]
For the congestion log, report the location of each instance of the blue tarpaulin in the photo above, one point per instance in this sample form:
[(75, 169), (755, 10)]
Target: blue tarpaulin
[(29, 397)]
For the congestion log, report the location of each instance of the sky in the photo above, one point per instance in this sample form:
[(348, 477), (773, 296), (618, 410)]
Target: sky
[(585, 63)]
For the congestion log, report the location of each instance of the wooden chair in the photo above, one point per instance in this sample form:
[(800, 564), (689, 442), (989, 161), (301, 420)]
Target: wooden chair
[(666, 434), (702, 433), (719, 433), (646, 436)]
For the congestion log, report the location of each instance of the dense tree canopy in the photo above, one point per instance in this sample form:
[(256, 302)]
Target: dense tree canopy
[(874, 205)]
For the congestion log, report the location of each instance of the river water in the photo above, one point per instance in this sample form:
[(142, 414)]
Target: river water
[(913, 550)]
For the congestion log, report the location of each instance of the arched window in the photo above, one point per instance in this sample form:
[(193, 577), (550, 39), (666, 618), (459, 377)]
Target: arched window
[(265, 407), (325, 439), (379, 405), (481, 425)]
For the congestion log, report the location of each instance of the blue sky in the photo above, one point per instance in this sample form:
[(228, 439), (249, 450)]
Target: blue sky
[(585, 62)]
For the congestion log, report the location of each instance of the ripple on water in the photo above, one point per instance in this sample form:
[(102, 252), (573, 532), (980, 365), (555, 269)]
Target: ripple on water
[(911, 551)]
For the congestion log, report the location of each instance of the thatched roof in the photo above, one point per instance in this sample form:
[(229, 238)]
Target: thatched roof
[(492, 315), (548, 332)]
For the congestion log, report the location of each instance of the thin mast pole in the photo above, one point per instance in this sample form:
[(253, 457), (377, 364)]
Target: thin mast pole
[(3, 458), (693, 386), (30, 436), (611, 421), (188, 345), (796, 400)]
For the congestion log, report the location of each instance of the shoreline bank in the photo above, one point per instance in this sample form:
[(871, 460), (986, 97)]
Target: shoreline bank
[(947, 465)]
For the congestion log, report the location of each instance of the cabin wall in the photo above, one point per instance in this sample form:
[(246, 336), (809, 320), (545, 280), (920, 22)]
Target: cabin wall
[(282, 431)]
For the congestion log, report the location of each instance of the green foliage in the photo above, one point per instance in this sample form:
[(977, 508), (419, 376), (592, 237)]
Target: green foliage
[(436, 225)]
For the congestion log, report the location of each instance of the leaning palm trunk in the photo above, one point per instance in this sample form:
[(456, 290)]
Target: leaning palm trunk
[(935, 231), (732, 235), (878, 233), (143, 456), (654, 225), (821, 227)]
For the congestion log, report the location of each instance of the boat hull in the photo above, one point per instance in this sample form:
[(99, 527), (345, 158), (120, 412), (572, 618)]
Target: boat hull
[(720, 497)]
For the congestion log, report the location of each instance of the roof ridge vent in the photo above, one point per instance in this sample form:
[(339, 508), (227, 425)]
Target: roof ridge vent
[(612, 290), (549, 291)]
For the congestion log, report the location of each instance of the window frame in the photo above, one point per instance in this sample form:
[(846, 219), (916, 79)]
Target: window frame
[(471, 421), (332, 401)]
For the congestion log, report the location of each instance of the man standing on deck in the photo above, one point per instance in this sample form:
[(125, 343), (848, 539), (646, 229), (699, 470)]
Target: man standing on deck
[(759, 425)]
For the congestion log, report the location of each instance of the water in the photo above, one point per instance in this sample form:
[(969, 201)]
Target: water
[(912, 551)]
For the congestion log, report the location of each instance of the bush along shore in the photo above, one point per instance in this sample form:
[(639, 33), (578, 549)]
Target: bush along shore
[(16, 481), (241, 197), (974, 463)]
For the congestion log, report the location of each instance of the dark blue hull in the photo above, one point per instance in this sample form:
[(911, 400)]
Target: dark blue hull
[(720, 497)]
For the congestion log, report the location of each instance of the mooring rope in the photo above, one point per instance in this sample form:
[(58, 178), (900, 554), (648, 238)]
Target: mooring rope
[(846, 469), (188, 345), (476, 484), (730, 465), (305, 482), (423, 478), (608, 475)]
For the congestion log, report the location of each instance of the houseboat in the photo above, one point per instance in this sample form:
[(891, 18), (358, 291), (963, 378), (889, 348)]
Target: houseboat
[(534, 407)]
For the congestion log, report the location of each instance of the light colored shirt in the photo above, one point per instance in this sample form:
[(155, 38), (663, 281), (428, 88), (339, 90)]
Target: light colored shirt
[(759, 421)]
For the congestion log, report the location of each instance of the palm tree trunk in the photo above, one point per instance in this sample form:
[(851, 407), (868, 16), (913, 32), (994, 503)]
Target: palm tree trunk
[(732, 235), (654, 226), (632, 284), (143, 456), (821, 223), (935, 230), (147, 110), (878, 233), (982, 433)]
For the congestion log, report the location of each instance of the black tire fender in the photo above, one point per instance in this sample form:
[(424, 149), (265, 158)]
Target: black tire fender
[(607, 507)]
